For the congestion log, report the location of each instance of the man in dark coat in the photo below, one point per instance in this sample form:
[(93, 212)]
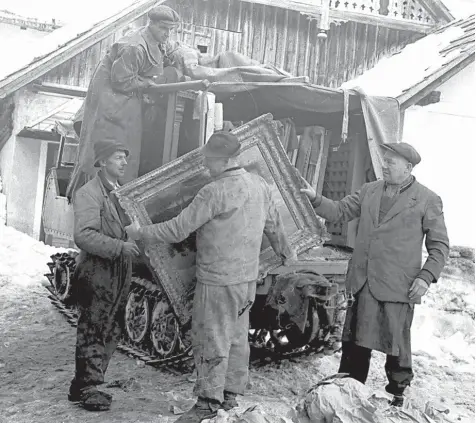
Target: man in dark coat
[(385, 273), (113, 108), (102, 276)]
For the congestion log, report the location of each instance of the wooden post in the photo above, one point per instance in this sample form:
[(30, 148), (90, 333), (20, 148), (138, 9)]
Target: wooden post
[(169, 128), (202, 98), (210, 110), (321, 169)]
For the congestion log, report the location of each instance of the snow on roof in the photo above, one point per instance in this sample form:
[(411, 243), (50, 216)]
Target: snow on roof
[(394, 75), (38, 56), (61, 11)]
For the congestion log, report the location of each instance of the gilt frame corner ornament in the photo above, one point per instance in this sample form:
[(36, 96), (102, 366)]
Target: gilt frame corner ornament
[(257, 135)]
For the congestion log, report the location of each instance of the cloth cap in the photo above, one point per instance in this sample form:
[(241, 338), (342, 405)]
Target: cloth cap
[(105, 149), (222, 145), (164, 14), (404, 150)]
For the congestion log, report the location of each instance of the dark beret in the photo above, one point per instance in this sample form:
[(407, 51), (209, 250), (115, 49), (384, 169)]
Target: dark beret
[(404, 150), (222, 145), (164, 14)]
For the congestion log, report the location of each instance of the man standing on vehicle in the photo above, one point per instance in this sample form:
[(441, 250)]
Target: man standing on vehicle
[(102, 276), (386, 273), (114, 106), (230, 215)]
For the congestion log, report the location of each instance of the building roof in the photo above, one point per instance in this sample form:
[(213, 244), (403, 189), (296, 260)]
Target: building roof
[(423, 65), (65, 43)]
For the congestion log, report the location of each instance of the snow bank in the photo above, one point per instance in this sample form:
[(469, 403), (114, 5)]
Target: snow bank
[(443, 327), (23, 259)]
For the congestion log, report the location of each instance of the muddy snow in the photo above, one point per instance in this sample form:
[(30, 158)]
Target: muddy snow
[(37, 355)]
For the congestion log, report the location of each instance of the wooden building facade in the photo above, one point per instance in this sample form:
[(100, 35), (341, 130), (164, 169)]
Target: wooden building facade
[(286, 38), (330, 45)]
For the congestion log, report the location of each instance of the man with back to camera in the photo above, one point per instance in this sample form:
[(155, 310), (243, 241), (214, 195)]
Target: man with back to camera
[(102, 276), (230, 215), (385, 272)]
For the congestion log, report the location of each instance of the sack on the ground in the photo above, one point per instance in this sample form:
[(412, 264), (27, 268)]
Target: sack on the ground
[(339, 399), (253, 414)]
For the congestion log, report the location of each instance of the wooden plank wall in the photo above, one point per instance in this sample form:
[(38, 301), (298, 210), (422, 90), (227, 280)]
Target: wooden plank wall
[(282, 37)]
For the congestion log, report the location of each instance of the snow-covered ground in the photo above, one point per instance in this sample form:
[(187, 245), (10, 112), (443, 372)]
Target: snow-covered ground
[(37, 354)]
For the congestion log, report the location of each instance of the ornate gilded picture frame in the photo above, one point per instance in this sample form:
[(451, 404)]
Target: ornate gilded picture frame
[(163, 193)]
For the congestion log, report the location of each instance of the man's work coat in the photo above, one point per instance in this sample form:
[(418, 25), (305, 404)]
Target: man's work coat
[(113, 109), (388, 254), (229, 215)]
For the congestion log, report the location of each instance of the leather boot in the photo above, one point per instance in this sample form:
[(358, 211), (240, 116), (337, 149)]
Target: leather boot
[(203, 409), (230, 401)]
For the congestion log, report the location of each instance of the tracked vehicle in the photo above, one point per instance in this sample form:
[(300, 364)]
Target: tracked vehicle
[(329, 136)]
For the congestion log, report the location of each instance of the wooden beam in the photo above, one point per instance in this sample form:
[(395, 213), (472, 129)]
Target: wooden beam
[(421, 90), (314, 11), (75, 45), (322, 267), (67, 90), (437, 10), (167, 155), (326, 139), (38, 134)]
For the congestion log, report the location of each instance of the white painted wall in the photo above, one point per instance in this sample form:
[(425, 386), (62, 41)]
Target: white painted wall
[(444, 135), (22, 162)]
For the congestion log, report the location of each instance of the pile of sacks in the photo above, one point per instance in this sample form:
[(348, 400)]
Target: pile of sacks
[(338, 399)]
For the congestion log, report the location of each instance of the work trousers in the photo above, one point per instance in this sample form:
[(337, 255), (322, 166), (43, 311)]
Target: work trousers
[(220, 324), (382, 326), (100, 325), (356, 361)]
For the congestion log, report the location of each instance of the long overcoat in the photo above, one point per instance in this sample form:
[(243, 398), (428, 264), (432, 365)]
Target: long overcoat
[(113, 108)]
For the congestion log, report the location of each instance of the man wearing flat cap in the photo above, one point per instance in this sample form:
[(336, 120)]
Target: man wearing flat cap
[(114, 106), (102, 277), (229, 215), (385, 273)]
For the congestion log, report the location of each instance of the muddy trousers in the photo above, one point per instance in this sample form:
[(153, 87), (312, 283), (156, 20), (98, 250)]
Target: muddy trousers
[(356, 361), (99, 330), (220, 324)]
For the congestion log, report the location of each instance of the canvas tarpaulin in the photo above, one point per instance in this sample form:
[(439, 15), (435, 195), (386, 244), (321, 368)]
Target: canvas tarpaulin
[(309, 105)]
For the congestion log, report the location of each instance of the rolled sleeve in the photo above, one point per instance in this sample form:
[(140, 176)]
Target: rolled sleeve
[(436, 240), (87, 230)]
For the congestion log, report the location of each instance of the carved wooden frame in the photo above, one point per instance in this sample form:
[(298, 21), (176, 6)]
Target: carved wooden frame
[(260, 132)]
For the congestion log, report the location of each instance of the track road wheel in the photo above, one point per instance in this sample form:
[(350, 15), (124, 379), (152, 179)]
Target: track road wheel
[(62, 281), (164, 332), (137, 316)]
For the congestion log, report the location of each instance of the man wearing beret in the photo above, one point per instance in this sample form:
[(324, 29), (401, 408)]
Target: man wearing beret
[(230, 215), (385, 273), (102, 276), (114, 107)]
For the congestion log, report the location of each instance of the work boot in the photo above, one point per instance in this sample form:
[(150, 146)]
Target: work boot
[(230, 401), (397, 393), (203, 409), (75, 392), (397, 401)]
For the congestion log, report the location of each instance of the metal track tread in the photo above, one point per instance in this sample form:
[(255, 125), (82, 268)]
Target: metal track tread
[(260, 356), (72, 318)]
